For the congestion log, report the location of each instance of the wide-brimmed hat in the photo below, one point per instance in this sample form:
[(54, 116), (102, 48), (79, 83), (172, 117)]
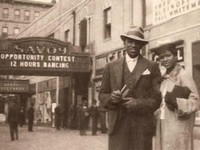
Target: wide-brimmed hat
[(136, 33)]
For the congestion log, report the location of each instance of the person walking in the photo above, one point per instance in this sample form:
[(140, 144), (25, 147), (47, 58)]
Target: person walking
[(180, 101), (83, 117), (93, 111), (13, 120), (30, 118), (21, 116), (130, 92), (58, 116)]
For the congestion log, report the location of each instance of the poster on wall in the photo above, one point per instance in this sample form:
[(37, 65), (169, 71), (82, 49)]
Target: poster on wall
[(43, 107), (164, 10)]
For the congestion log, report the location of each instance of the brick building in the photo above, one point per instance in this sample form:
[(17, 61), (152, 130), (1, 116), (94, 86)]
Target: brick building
[(15, 15)]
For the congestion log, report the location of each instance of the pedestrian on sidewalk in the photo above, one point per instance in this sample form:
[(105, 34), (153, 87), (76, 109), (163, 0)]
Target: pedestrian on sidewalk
[(58, 117), (30, 118), (21, 116), (83, 118), (95, 116), (13, 119), (180, 101)]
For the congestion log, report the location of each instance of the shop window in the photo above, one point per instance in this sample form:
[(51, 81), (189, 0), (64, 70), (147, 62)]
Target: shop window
[(36, 14), (27, 15), (107, 23), (67, 35), (17, 14), (5, 13), (5, 32), (16, 31)]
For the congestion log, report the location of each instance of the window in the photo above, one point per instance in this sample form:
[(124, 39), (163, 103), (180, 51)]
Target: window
[(36, 14), (17, 14), (83, 34), (67, 36), (5, 13), (16, 31), (5, 32), (107, 23), (27, 15)]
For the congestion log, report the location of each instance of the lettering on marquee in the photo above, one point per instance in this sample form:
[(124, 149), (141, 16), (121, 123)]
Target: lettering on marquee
[(40, 54)]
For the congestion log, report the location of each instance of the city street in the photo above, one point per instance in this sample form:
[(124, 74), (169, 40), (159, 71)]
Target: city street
[(47, 138)]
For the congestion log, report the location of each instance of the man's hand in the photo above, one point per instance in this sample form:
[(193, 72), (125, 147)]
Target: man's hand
[(129, 103), (116, 97)]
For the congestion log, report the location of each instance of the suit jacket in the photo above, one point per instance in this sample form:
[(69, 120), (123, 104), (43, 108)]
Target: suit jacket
[(146, 90), (13, 114)]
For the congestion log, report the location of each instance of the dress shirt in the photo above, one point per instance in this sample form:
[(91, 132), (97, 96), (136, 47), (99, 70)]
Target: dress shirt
[(131, 62)]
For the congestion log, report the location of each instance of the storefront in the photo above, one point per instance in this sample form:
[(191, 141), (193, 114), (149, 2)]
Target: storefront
[(19, 89)]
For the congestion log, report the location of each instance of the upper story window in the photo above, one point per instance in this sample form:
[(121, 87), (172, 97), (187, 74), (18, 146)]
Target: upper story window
[(5, 13), (4, 31), (16, 31), (67, 35), (17, 14), (107, 23), (36, 14), (27, 15)]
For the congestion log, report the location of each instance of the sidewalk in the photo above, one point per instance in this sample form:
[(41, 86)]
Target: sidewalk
[(47, 138)]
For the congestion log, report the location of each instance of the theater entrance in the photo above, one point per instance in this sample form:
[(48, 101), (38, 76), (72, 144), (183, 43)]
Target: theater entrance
[(57, 73)]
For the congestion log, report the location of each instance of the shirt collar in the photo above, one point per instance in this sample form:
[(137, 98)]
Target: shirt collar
[(129, 59)]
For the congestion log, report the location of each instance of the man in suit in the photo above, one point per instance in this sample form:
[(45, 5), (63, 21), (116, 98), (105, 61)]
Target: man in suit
[(30, 118), (93, 111), (13, 116), (58, 117), (130, 92)]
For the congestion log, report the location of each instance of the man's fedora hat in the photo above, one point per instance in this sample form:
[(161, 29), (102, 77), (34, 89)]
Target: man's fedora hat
[(136, 33)]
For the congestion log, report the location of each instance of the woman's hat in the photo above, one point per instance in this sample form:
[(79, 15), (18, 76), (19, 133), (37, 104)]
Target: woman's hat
[(136, 33)]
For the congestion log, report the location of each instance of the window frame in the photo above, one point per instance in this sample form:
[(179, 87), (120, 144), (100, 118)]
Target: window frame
[(27, 17), (17, 16), (4, 34), (107, 23), (5, 15)]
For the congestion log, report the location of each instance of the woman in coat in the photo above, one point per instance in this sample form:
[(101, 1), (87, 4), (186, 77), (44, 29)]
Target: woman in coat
[(180, 101)]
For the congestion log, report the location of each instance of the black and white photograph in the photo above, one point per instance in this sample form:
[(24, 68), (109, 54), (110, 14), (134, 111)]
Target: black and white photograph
[(99, 74)]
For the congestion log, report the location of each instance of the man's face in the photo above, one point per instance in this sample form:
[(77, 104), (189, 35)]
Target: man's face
[(132, 47)]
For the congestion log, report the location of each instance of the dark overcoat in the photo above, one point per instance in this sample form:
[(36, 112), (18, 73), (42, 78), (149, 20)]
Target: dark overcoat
[(146, 94)]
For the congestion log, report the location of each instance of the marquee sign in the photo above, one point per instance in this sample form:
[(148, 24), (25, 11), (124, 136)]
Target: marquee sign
[(14, 86), (41, 56)]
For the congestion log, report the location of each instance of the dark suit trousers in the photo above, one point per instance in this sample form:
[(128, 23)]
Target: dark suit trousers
[(13, 130), (129, 136)]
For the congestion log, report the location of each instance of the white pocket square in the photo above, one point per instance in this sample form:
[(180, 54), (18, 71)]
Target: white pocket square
[(146, 72)]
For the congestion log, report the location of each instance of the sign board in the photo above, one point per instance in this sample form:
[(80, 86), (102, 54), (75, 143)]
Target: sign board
[(14, 86), (164, 10), (179, 56), (41, 56)]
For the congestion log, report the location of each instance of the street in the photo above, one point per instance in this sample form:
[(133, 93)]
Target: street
[(47, 138)]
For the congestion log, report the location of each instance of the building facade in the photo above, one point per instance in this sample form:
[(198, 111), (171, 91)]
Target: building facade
[(96, 25), (15, 15)]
